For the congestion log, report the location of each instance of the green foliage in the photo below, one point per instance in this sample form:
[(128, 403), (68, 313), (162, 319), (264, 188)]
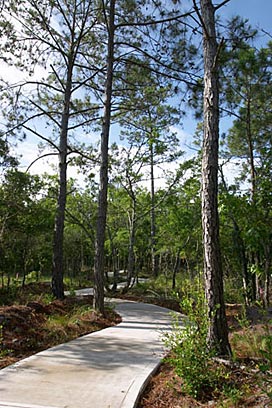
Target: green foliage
[(26, 225), (8, 294), (245, 207), (191, 357), (266, 348), (231, 395), (3, 352), (242, 319), (232, 291), (256, 344)]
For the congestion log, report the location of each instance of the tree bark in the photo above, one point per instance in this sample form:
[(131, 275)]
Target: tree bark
[(131, 255), (267, 274), (57, 269), (154, 255), (250, 149), (103, 190), (175, 269), (218, 330)]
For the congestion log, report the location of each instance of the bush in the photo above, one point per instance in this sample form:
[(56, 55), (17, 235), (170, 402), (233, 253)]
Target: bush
[(190, 356), (233, 292)]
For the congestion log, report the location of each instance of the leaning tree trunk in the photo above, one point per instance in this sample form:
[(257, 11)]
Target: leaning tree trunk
[(103, 190), (218, 330), (57, 269)]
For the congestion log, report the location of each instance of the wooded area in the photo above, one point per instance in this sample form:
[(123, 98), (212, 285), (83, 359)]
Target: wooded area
[(131, 71)]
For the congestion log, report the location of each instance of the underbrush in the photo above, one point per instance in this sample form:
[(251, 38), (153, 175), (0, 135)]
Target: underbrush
[(199, 378), (17, 294), (253, 341), (192, 360), (36, 322)]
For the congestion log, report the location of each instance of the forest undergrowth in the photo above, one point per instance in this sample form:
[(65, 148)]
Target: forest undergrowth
[(193, 376), (32, 321)]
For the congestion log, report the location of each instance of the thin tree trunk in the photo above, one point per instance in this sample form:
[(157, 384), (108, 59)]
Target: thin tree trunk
[(175, 269), (255, 282), (103, 190), (267, 273), (131, 255), (24, 269), (58, 267), (251, 151), (218, 330), (154, 256), (115, 269), (57, 270), (113, 265)]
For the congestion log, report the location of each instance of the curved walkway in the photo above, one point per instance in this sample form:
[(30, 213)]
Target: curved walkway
[(105, 369)]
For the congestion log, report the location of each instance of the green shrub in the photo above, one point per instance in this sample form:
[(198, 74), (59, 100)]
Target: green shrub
[(233, 292), (190, 356)]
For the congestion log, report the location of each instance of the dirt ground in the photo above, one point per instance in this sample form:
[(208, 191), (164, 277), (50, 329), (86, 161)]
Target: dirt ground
[(31, 326), (27, 327), (164, 390)]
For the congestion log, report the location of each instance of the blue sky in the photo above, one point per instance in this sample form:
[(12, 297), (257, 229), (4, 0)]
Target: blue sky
[(259, 13)]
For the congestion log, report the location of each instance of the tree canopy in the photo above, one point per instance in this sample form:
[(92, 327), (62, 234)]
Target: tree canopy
[(105, 87)]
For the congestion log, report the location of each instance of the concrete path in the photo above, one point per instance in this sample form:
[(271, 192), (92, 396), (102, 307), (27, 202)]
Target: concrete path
[(105, 369)]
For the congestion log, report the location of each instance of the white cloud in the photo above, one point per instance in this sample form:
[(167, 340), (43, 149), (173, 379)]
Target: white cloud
[(14, 75), (29, 152), (231, 170), (186, 141), (31, 160)]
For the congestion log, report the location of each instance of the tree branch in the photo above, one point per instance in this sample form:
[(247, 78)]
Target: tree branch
[(58, 78), (41, 136), (81, 225), (82, 154), (154, 22), (40, 157), (162, 64), (215, 62), (48, 114), (221, 4), (201, 19), (86, 122), (22, 123), (38, 83)]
